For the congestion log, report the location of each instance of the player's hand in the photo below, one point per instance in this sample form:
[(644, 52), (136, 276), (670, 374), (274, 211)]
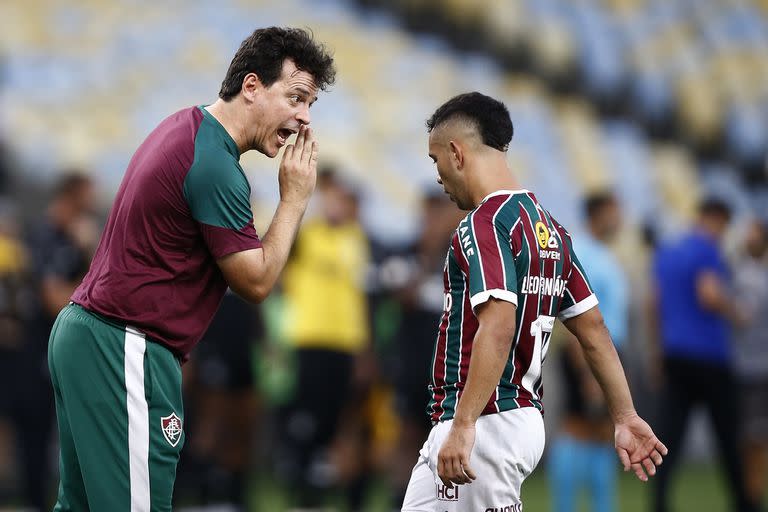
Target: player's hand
[(453, 458), (638, 447), (298, 168)]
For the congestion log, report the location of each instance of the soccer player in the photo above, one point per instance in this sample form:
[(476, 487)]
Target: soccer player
[(510, 271), (180, 231)]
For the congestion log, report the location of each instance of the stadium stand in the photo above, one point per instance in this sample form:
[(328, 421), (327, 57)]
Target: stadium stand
[(86, 80)]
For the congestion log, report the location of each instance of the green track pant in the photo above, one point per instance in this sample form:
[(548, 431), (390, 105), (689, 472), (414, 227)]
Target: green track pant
[(120, 416)]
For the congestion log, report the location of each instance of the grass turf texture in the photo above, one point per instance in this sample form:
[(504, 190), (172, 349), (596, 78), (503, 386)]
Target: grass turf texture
[(695, 487)]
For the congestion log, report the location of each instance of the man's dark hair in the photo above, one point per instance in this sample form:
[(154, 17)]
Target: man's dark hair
[(596, 202), (715, 207), (264, 51), (490, 117)]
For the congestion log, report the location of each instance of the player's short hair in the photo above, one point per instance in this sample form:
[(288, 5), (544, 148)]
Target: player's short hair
[(715, 207), (489, 116), (264, 52), (597, 201)]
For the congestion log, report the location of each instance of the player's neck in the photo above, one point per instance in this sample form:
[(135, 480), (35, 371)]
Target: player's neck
[(492, 179), (226, 113)]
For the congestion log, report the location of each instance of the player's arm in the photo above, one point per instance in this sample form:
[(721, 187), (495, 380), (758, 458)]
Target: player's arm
[(490, 352), (253, 273), (636, 444)]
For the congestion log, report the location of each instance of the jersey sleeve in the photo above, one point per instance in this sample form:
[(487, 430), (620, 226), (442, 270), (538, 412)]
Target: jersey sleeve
[(485, 245), (579, 296), (219, 199)]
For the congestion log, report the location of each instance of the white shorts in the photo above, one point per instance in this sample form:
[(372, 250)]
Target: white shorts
[(508, 446)]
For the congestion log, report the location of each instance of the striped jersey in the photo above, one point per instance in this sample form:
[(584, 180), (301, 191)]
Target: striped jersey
[(512, 249)]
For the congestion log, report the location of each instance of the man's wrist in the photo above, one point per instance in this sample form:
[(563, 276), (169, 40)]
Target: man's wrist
[(464, 421), (624, 416)]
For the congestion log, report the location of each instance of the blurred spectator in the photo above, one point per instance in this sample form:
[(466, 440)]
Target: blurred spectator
[(12, 260), (13, 309), (327, 322), (583, 455), (694, 309), (220, 408), (415, 278), (751, 350), (61, 244)]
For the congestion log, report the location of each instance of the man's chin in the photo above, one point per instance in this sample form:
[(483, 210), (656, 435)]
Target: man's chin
[(270, 152)]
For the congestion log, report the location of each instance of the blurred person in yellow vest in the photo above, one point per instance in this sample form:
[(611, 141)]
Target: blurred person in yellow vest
[(327, 322), (323, 281)]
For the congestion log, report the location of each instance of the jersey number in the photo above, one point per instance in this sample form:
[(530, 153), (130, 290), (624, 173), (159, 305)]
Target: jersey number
[(539, 328)]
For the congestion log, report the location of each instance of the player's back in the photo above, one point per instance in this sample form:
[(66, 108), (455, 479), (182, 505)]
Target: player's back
[(512, 249)]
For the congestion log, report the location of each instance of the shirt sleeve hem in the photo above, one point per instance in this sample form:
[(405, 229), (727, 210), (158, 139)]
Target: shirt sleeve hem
[(579, 308), (239, 247), (497, 293)]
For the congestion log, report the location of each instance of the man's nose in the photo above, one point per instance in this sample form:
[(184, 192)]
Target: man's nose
[(303, 116)]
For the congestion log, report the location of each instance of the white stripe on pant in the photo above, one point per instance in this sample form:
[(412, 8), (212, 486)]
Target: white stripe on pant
[(138, 420)]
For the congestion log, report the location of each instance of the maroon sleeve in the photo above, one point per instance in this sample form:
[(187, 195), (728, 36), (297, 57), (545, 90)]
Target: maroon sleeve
[(224, 241)]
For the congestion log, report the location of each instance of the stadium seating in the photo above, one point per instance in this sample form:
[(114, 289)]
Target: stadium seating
[(84, 81)]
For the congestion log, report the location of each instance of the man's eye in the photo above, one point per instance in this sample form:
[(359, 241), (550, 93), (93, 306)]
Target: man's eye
[(295, 98)]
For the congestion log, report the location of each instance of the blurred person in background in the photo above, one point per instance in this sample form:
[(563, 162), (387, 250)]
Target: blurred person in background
[(327, 322), (750, 275), (179, 233), (60, 245), (15, 308), (486, 381), (221, 408), (415, 278), (582, 456), (694, 308)]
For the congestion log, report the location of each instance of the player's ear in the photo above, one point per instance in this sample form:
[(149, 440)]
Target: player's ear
[(456, 154), (251, 85)]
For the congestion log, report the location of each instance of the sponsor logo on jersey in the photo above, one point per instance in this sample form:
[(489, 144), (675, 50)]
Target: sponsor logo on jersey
[(171, 426), (535, 285), (546, 254), (517, 507), (547, 239), (447, 494), (542, 234)]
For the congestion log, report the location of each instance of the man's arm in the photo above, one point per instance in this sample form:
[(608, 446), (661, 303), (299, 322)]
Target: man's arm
[(253, 273), (490, 352), (636, 444)]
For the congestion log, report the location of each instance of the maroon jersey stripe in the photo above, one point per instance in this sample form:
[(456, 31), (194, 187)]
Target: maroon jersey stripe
[(485, 236)]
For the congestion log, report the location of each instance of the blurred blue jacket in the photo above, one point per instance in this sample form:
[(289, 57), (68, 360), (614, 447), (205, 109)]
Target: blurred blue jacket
[(687, 329), (609, 283)]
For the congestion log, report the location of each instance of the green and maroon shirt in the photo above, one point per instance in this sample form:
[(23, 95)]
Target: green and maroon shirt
[(184, 202), (508, 248)]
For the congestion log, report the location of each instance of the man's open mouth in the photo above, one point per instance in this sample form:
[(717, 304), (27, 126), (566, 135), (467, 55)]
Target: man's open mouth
[(283, 134)]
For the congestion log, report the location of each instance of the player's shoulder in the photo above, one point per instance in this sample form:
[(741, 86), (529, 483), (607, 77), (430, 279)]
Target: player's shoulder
[(502, 207)]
